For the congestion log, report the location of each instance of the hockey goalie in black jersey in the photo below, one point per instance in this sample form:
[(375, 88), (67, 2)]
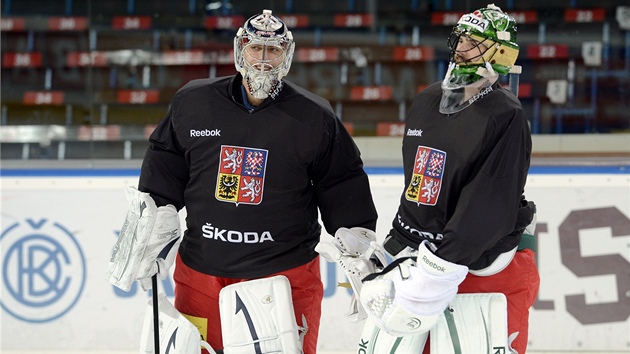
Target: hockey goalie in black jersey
[(255, 160), (463, 234), (466, 155)]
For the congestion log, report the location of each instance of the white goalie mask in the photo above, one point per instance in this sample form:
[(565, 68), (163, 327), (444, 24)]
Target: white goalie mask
[(263, 51)]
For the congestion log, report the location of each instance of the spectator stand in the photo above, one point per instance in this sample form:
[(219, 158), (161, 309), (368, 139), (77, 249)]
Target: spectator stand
[(120, 64)]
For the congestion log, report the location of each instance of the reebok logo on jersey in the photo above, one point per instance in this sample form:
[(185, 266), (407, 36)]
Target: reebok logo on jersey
[(205, 132), (414, 132)]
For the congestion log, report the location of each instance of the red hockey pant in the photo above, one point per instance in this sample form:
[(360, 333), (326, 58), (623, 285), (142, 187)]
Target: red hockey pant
[(197, 294)]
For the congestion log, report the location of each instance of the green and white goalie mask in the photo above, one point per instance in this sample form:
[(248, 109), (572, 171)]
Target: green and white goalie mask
[(482, 46), (458, 92), (263, 51)]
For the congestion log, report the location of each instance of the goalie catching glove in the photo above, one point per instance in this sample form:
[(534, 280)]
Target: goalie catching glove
[(147, 244), (407, 298), (358, 255)]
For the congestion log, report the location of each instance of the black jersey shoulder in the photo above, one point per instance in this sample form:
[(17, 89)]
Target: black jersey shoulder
[(510, 96), (433, 89), (201, 90), (501, 102), (316, 99), (204, 87), (206, 82)]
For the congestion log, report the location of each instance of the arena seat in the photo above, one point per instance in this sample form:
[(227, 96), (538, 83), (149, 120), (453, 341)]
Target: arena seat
[(121, 62)]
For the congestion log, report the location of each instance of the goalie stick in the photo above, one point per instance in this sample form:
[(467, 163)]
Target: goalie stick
[(156, 315), (176, 334)]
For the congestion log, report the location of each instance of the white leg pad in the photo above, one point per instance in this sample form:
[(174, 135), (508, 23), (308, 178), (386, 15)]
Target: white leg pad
[(473, 323), (177, 334), (374, 340), (257, 317)]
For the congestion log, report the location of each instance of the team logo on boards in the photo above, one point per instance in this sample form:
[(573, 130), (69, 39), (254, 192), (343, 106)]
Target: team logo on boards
[(241, 174), (426, 181), (43, 270)]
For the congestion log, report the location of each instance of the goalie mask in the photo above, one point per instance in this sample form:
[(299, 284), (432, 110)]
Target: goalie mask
[(482, 46), (263, 50)]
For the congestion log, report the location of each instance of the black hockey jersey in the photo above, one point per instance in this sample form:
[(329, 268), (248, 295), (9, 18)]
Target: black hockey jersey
[(252, 181), (465, 174)]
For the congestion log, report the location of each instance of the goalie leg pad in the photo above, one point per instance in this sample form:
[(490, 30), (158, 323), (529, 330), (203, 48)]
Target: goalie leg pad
[(374, 340), (473, 323), (177, 335), (257, 316)]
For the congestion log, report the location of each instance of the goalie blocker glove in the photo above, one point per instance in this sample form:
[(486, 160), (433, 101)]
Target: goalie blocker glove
[(147, 244), (408, 298)]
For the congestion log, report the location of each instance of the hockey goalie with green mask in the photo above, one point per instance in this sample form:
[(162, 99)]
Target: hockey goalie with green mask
[(464, 272)]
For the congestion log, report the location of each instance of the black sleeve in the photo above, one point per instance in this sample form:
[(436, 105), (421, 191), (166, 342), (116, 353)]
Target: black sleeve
[(164, 172), (488, 206), (341, 185)]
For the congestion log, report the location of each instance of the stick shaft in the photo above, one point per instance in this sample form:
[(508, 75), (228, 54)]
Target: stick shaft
[(156, 316)]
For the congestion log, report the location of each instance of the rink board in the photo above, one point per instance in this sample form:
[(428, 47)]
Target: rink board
[(58, 227)]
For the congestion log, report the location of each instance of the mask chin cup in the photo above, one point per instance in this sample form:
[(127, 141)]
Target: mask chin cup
[(458, 96), (261, 85)]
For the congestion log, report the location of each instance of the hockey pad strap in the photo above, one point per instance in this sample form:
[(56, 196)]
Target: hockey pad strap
[(358, 254), (374, 340), (429, 286), (257, 316), (147, 243), (473, 323), (177, 335)]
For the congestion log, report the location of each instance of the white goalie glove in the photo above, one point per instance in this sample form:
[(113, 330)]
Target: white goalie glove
[(147, 244), (358, 254), (407, 298)]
